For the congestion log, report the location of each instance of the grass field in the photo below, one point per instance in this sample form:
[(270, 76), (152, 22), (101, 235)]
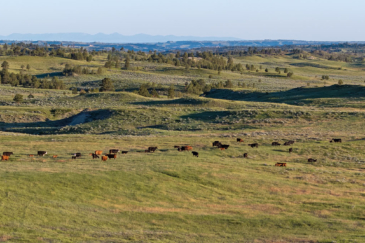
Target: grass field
[(171, 196)]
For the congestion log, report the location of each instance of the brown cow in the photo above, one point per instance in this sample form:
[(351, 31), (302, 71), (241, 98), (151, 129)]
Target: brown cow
[(280, 164), (98, 152), (290, 150), (54, 156), (104, 158), (239, 140), (4, 157), (31, 155), (221, 148), (185, 148), (113, 151), (245, 155)]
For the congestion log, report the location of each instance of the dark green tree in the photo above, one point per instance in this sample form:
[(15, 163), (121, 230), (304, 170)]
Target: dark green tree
[(106, 85), (126, 63), (171, 92)]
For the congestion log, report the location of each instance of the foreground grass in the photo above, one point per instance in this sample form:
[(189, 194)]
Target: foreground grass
[(172, 196)]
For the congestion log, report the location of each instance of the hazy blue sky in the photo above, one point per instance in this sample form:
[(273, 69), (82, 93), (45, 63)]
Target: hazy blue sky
[(254, 19)]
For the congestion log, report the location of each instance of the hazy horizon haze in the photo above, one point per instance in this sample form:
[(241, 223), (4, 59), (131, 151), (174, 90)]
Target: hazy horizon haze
[(247, 20)]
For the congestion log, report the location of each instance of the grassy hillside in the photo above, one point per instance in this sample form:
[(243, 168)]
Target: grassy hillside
[(171, 196)]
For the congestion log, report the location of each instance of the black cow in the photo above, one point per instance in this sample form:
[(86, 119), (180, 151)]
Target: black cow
[(95, 156), (245, 155), (8, 153), (77, 155), (216, 144), (239, 140), (275, 144), (112, 156), (289, 143), (113, 151), (73, 157), (254, 145), (336, 140), (152, 149), (42, 153), (223, 146), (312, 160), (290, 150), (195, 154), (124, 152)]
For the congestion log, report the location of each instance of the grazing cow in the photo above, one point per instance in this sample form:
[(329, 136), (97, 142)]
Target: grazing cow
[(176, 146), (104, 158), (312, 160), (216, 143), (98, 152), (336, 140), (4, 157), (8, 153), (280, 164), (185, 148), (223, 146), (195, 154), (73, 157), (239, 140), (275, 144), (113, 151), (77, 155), (54, 156), (111, 156), (254, 145), (31, 155), (290, 150), (245, 155), (124, 152), (152, 149), (289, 143), (95, 156), (42, 153)]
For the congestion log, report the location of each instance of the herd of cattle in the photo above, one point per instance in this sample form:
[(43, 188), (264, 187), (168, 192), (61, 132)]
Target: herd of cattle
[(113, 152)]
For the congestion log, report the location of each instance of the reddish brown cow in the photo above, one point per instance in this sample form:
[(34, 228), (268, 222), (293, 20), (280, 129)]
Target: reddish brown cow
[(280, 164), (98, 152), (4, 157), (104, 158)]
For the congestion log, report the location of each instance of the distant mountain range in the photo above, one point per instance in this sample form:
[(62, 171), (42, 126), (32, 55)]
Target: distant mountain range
[(109, 38)]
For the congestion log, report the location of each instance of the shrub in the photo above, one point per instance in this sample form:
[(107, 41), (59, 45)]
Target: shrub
[(340, 82), (18, 98)]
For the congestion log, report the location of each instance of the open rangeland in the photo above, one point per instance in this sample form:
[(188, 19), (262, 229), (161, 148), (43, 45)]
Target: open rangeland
[(83, 191)]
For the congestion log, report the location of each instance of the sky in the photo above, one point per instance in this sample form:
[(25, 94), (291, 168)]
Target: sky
[(320, 20)]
